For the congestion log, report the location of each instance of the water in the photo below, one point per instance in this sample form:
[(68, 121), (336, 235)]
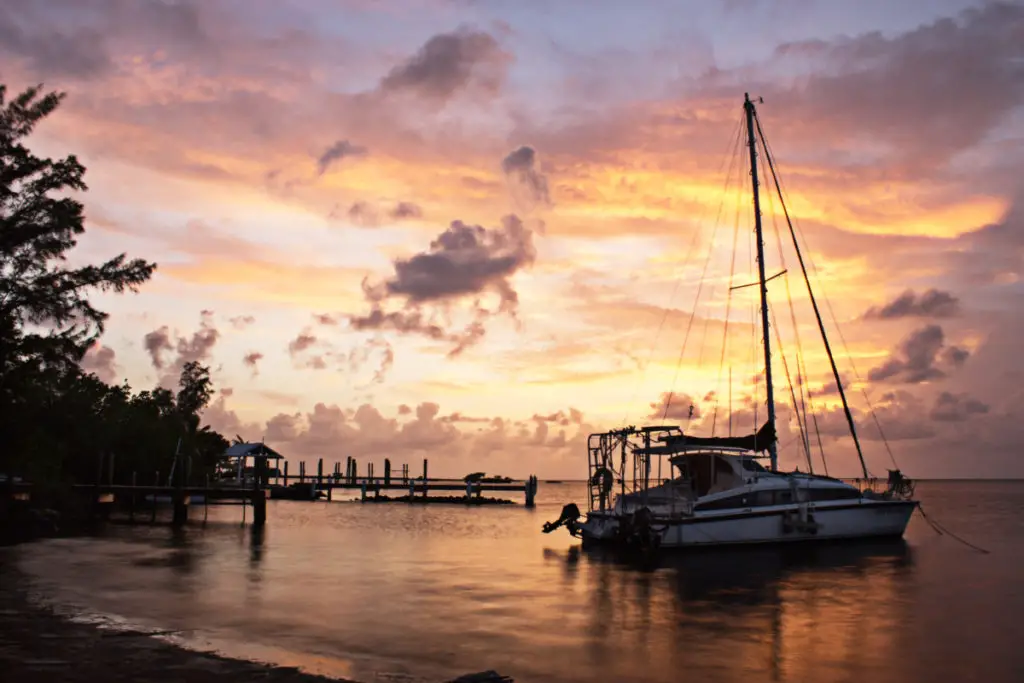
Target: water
[(404, 593)]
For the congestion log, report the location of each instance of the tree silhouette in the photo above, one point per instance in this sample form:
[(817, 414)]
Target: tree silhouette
[(56, 421)]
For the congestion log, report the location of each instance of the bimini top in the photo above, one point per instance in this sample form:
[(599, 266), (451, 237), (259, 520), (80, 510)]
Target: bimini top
[(681, 443)]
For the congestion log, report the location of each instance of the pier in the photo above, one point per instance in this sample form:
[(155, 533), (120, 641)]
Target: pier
[(253, 486), (310, 486)]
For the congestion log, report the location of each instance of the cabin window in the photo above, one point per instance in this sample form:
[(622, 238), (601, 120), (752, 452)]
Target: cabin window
[(751, 465), (834, 494), (732, 502)]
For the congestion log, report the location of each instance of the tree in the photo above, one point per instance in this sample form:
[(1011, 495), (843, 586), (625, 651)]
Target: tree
[(46, 321)]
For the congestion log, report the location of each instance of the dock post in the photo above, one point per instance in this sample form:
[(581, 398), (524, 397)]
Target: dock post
[(363, 489), (286, 473), (531, 490), (319, 474), (387, 472), (131, 514), (178, 496), (302, 472), (355, 471), (424, 477), (259, 496)]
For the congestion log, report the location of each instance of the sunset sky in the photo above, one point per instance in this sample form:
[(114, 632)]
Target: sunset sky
[(475, 230)]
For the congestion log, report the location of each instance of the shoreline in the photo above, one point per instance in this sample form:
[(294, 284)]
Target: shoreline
[(37, 644)]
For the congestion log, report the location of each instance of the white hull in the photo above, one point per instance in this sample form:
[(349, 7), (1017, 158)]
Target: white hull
[(840, 520)]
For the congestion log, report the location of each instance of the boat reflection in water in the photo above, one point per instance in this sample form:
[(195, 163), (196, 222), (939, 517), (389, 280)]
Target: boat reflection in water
[(779, 613)]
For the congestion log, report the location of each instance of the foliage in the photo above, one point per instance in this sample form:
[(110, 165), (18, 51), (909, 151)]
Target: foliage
[(57, 422)]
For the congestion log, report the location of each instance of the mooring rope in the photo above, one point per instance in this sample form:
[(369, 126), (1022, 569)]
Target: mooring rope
[(941, 531)]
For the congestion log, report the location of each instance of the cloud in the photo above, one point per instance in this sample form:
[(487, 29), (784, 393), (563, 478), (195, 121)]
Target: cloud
[(956, 407), (520, 166), (454, 443), (675, 406), (99, 360), (197, 347), (240, 322), (376, 353), (303, 341), (932, 303), (155, 343), (449, 63), (870, 86), (403, 210), (251, 359), (463, 262), (342, 149), (917, 356), (326, 319)]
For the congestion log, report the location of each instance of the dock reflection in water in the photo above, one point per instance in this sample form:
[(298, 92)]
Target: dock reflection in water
[(427, 593)]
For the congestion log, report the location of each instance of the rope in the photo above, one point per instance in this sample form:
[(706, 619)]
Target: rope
[(792, 394), (700, 287), (675, 288), (941, 530), (725, 330)]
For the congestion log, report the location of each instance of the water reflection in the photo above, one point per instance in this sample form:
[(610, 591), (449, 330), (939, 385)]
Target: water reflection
[(428, 593), (744, 611)]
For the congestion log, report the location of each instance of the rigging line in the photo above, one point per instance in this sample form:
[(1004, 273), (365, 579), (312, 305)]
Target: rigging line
[(728, 310), (689, 323), (731, 157), (700, 283), (801, 408), (839, 330), (817, 313), (821, 449), (792, 394)]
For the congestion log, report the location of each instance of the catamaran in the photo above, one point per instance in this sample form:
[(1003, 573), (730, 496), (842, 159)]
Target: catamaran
[(717, 492)]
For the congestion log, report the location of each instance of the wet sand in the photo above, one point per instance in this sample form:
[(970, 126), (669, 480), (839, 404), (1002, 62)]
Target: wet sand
[(38, 645)]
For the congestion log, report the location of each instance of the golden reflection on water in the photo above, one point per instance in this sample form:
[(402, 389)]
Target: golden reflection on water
[(427, 593)]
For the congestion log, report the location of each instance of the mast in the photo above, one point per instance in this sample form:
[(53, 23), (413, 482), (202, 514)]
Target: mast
[(748, 106)]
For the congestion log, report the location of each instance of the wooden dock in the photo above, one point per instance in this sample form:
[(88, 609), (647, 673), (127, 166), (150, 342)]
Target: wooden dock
[(266, 483), (371, 484)]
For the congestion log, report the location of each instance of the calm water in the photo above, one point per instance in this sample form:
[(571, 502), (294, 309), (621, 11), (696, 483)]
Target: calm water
[(399, 593)]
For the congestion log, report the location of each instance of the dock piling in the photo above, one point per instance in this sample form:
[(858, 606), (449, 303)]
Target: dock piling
[(285, 472), (387, 472), (424, 477)]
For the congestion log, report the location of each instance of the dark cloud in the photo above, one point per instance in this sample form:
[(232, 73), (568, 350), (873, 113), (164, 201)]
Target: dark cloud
[(81, 53), (403, 210), (521, 167), (251, 360), (956, 407), (342, 149), (156, 342), (325, 318), (197, 347), (363, 213), (99, 360), (240, 322), (464, 261), (872, 85), (918, 356), (932, 303), (448, 63), (303, 341)]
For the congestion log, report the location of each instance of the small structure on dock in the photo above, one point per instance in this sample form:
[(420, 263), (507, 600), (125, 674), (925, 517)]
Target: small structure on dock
[(238, 464)]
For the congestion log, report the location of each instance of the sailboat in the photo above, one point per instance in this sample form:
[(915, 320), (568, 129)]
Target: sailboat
[(718, 492)]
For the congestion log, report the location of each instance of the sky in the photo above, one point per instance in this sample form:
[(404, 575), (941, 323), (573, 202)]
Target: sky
[(478, 231)]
